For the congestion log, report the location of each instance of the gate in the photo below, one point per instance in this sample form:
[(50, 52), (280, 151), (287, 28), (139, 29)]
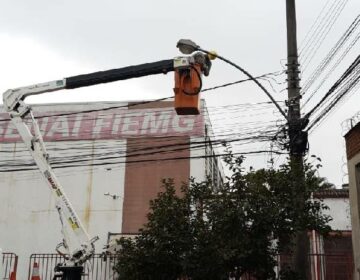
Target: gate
[(9, 265), (97, 268)]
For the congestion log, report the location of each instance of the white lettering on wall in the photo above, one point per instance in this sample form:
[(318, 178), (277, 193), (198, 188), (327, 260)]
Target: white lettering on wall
[(59, 126), (155, 121), (116, 124), (107, 125), (101, 123), (77, 125), (183, 124), (131, 124)]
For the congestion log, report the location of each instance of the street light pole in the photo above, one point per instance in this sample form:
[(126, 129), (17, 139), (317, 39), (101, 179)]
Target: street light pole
[(297, 137)]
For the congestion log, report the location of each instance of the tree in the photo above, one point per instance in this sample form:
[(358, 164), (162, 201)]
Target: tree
[(159, 251), (214, 233)]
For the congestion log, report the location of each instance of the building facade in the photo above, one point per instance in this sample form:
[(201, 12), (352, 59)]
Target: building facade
[(330, 257), (352, 139), (110, 158)]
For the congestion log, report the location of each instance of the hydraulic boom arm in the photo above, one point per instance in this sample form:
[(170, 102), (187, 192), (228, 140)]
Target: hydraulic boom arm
[(19, 111)]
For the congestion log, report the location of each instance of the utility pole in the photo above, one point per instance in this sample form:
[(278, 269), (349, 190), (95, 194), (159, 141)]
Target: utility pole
[(297, 137)]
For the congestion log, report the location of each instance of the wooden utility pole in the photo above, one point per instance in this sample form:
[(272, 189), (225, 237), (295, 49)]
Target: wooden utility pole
[(297, 137)]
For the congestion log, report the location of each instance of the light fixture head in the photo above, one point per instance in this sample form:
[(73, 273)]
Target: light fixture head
[(187, 46)]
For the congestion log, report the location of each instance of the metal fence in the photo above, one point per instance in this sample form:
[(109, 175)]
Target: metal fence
[(325, 266), (321, 266), (338, 267), (9, 265), (97, 268)]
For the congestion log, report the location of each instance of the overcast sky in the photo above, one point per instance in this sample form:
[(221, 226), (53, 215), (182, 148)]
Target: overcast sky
[(47, 40)]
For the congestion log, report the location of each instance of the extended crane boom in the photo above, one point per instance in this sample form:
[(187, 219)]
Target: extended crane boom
[(13, 97), (18, 110)]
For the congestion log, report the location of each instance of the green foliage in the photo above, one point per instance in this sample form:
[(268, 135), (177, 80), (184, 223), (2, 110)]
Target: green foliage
[(213, 233)]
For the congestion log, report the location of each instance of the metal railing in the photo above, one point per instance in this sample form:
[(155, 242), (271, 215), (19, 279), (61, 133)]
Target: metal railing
[(9, 265), (97, 268), (321, 266)]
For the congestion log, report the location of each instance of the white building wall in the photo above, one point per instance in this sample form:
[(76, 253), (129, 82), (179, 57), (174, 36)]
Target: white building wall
[(197, 163), (340, 212), (29, 222)]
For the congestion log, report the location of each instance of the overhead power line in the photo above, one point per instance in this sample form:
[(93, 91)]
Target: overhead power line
[(343, 86), (335, 66), (351, 86), (147, 160), (342, 79), (134, 104), (320, 33), (313, 27), (332, 54)]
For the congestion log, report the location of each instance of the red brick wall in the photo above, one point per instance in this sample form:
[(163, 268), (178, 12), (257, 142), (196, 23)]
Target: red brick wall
[(352, 139), (336, 244), (144, 172), (339, 263), (147, 164)]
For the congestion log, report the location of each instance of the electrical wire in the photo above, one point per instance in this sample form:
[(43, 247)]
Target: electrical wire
[(147, 160), (255, 80), (321, 33), (335, 66), (310, 32), (341, 80), (352, 84), (131, 150), (110, 160), (332, 54), (134, 104)]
